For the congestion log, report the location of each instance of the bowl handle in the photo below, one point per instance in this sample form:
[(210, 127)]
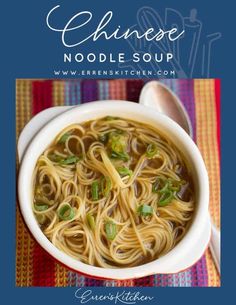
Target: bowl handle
[(35, 124)]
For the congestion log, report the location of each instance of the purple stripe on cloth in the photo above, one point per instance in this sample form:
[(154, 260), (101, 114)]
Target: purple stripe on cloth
[(185, 91), (72, 92), (103, 89), (165, 280), (199, 273), (92, 282), (89, 90)]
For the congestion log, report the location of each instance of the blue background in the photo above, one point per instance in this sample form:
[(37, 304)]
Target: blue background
[(30, 50)]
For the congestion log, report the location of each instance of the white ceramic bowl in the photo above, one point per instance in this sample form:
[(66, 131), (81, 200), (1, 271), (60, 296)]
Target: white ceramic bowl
[(188, 250)]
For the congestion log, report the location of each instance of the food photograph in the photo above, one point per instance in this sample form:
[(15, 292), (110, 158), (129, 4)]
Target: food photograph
[(118, 183)]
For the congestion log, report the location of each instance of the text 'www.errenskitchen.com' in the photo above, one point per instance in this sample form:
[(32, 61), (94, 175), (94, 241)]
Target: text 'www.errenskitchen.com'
[(115, 73)]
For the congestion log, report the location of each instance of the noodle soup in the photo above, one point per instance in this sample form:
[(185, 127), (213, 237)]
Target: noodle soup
[(113, 193)]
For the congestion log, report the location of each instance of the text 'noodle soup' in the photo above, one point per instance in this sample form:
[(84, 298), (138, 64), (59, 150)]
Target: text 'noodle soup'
[(113, 193)]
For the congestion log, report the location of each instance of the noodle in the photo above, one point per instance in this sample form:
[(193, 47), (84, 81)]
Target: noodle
[(112, 193)]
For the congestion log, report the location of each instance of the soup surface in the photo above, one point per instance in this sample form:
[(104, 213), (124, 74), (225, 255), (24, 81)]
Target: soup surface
[(112, 193)]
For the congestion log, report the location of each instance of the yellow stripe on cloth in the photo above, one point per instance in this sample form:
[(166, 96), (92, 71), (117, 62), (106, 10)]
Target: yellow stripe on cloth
[(61, 276), (24, 253), (213, 276), (58, 93), (23, 103), (206, 135), (24, 242)]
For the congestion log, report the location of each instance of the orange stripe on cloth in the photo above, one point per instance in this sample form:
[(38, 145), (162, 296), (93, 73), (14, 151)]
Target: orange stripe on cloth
[(117, 89), (213, 276), (206, 136)]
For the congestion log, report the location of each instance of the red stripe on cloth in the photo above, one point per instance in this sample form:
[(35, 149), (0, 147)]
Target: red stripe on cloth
[(43, 268), (42, 95), (133, 89), (217, 100), (43, 264)]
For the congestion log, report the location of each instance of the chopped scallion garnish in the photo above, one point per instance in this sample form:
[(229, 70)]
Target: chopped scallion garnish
[(41, 207), (124, 171), (145, 210), (105, 185), (55, 158), (121, 156), (103, 138), (110, 228), (166, 197), (152, 150), (167, 189), (64, 161), (95, 190), (117, 146), (91, 221), (70, 160), (64, 137), (65, 212), (158, 184)]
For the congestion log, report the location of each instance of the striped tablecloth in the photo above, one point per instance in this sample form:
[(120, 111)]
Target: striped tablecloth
[(201, 97)]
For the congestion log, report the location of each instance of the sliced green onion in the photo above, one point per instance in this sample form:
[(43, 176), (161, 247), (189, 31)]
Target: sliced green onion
[(117, 147), (121, 156), (124, 171), (165, 198), (167, 189), (162, 184), (95, 190), (158, 184), (175, 185), (91, 221), (152, 150), (145, 210), (55, 158), (110, 228), (70, 160), (65, 212), (41, 207), (104, 137), (64, 137), (119, 135), (105, 185)]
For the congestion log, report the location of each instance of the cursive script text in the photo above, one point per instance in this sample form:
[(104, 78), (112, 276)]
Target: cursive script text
[(124, 297), (83, 18)]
